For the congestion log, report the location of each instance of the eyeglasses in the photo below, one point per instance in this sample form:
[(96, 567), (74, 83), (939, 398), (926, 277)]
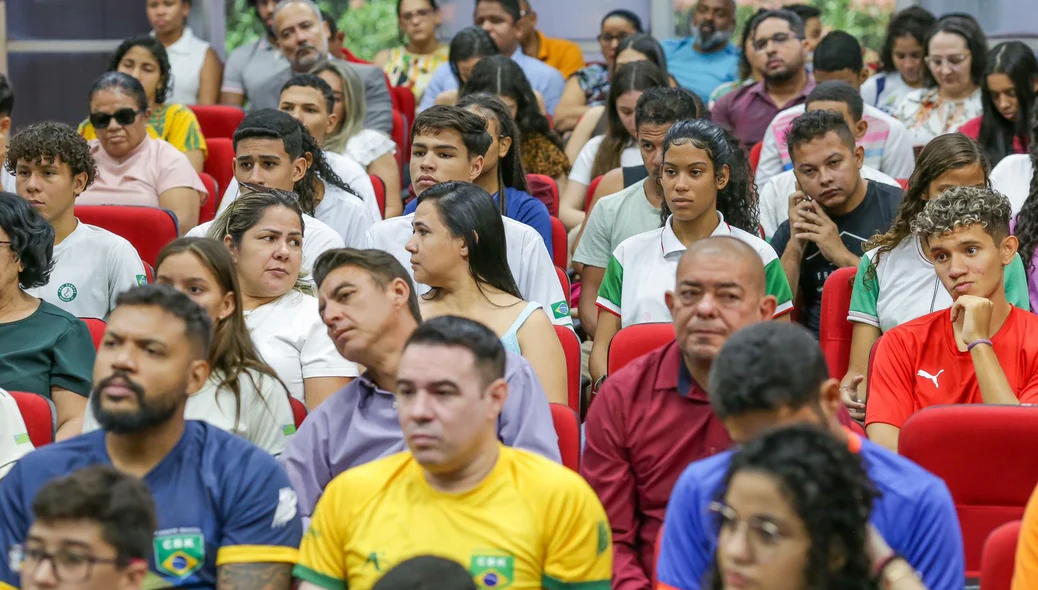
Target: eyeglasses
[(761, 533), (777, 39), (421, 13), (954, 61), (607, 39), (122, 117), (67, 566)]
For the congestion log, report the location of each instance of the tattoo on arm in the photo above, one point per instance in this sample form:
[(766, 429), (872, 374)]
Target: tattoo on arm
[(255, 576)]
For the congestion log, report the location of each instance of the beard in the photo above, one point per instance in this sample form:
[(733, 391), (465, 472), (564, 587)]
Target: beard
[(712, 38), (148, 414)]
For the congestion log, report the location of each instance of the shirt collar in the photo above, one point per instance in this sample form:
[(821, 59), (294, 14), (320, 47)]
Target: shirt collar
[(673, 374), (368, 387), (542, 53), (761, 91), (670, 244)]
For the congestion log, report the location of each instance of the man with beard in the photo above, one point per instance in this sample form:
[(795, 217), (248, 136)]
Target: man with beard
[(251, 67), (226, 512), (779, 39), (707, 59)]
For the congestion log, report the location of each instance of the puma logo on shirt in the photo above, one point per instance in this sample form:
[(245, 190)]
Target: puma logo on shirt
[(933, 378)]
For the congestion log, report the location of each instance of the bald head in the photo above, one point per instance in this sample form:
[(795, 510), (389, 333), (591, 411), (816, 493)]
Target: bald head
[(746, 265), (282, 4)]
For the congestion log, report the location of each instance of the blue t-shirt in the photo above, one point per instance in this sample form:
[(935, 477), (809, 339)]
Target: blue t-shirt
[(219, 499), (914, 513), (521, 207), (700, 72)]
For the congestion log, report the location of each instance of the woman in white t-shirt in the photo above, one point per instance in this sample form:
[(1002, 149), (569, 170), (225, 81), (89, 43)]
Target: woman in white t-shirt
[(263, 230), (243, 395), (902, 59), (896, 281), (616, 147)]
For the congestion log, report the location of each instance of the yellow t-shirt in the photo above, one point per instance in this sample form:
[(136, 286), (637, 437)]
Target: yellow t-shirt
[(530, 524), (174, 123)]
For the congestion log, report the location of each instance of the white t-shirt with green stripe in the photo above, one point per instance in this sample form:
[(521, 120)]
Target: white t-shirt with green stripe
[(14, 438), (643, 267), (905, 286)]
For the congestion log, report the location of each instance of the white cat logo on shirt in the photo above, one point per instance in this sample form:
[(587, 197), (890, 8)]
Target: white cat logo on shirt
[(933, 378)]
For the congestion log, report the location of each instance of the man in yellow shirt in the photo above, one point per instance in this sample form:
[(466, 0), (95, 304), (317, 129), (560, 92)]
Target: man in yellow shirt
[(565, 56), (512, 518)]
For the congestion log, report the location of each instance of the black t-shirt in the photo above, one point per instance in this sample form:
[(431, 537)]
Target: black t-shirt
[(874, 215)]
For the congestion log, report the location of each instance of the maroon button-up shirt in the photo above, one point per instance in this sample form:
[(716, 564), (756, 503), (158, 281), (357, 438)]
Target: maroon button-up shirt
[(749, 110), (648, 422)]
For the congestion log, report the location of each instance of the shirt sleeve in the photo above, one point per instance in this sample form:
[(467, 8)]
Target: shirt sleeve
[(73, 359), (933, 540), (525, 421), (380, 105), (781, 238), (890, 383), (773, 209), (14, 526), (570, 59), (777, 285), (770, 163), (358, 224), (898, 158), (125, 271), (183, 131), (865, 296), (86, 129), (175, 171), (719, 114), (552, 92), (606, 465), (322, 558), (1025, 572), (233, 71), (686, 549), (610, 293), (319, 357), (535, 214), (581, 171), (270, 419), (538, 281), (579, 552), (441, 81), (261, 519), (1015, 284), (594, 247), (305, 460)]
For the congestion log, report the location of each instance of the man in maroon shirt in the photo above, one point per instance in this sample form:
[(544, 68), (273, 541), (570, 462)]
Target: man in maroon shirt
[(652, 418), (778, 38)]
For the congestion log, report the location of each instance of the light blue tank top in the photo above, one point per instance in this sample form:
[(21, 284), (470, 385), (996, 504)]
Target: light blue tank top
[(511, 338)]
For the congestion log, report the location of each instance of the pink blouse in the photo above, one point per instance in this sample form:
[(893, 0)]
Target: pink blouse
[(149, 170)]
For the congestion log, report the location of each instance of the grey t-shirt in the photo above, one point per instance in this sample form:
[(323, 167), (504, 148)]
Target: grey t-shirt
[(613, 219), (256, 70)]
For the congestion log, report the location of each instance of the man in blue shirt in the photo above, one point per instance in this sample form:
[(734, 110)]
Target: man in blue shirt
[(766, 376), (225, 508), (500, 18), (707, 59)]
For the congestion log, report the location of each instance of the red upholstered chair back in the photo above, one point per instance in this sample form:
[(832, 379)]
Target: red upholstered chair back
[(999, 558), (208, 209), (559, 243), (755, 155), (97, 330), (401, 135), (220, 165), (591, 192), (634, 341), (403, 101), (571, 350), (567, 426), (966, 445), (544, 189), (380, 193), (218, 121), (39, 415), (298, 411), (563, 279), (149, 229), (834, 335)]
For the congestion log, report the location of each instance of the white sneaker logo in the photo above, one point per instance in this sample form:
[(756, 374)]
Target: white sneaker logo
[(933, 378)]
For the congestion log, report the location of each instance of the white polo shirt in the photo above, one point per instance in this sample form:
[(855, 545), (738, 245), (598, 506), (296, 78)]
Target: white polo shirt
[(1012, 177), (773, 196), (186, 57), (292, 339), (644, 267), (92, 266), (317, 239), (7, 181), (527, 258), (266, 418), (14, 438)]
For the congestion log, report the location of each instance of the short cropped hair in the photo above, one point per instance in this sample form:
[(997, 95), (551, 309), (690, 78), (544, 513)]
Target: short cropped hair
[(788, 370), (815, 124), (838, 91), (426, 572), (198, 327), (271, 124), (471, 335), (312, 81), (52, 141), (6, 97), (381, 266), (509, 6), (838, 51), (32, 240), (804, 11), (120, 503), (471, 127), (665, 106), (796, 24), (123, 83), (963, 206)]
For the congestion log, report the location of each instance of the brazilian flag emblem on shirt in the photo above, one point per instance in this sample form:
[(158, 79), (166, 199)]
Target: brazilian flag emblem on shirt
[(492, 571), (560, 310), (142, 279), (179, 554)]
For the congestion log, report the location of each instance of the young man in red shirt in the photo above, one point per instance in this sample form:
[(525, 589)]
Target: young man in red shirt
[(976, 352)]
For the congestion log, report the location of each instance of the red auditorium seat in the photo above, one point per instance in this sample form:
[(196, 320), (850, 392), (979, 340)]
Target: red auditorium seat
[(380, 193), (299, 412), (999, 558), (218, 121), (559, 243), (567, 426), (571, 350), (834, 334), (149, 229), (634, 341), (966, 446), (39, 416), (544, 189), (591, 192), (903, 182), (401, 137), (97, 329), (755, 155), (220, 164), (208, 209), (403, 99), (563, 279)]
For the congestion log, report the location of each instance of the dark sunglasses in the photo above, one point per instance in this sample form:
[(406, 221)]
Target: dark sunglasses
[(122, 117)]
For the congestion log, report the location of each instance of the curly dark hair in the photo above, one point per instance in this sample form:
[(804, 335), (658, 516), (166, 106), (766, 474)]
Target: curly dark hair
[(52, 141), (1026, 229), (158, 51), (737, 201), (31, 237), (950, 151), (827, 486)]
